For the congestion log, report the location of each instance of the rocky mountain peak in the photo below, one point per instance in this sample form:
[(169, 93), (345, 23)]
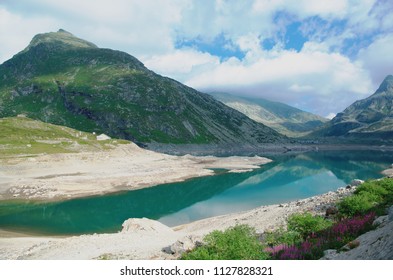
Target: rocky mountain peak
[(61, 37), (387, 85), (369, 118)]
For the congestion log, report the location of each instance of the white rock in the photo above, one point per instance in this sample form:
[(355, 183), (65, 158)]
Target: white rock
[(103, 137), (144, 225)]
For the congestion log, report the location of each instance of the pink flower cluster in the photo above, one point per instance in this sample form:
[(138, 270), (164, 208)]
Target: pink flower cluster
[(352, 226), (332, 238)]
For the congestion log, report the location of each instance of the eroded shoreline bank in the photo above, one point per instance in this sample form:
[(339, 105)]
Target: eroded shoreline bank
[(148, 239), (127, 167)]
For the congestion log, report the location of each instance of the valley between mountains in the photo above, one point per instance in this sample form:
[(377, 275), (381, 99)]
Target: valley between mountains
[(77, 120)]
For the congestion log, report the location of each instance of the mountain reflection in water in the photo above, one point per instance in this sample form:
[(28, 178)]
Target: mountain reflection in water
[(286, 178)]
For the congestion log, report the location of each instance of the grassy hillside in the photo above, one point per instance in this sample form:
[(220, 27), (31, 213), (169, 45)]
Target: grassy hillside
[(285, 119), (24, 136)]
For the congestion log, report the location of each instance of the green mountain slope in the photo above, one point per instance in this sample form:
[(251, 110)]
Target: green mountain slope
[(65, 80), (371, 117), (24, 136), (283, 118)]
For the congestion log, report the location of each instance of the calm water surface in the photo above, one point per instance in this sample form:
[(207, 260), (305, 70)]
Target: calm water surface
[(287, 178)]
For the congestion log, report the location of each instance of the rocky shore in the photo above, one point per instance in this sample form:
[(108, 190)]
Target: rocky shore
[(148, 239)]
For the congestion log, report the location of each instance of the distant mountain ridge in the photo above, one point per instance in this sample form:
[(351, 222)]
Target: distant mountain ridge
[(283, 118), (65, 80), (371, 117)]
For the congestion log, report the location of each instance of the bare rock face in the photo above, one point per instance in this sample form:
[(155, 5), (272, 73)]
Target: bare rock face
[(390, 214), (145, 225), (373, 245)]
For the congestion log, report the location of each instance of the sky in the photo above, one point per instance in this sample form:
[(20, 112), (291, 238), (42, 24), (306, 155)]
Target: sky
[(319, 56)]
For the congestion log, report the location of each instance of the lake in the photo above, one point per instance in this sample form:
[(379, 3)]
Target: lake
[(287, 178)]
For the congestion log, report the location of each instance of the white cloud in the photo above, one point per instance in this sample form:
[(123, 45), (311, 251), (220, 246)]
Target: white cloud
[(138, 27), (301, 88), (182, 63), (16, 32), (303, 8), (318, 76), (377, 58), (310, 79), (330, 116)]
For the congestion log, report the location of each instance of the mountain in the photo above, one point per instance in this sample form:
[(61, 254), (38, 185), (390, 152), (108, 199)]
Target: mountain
[(283, 118), (62, 79), (369, 118)]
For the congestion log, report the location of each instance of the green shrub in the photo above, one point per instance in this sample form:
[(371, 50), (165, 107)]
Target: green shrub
[(281, 236), (387, 184), (357, 204), (306, 224), (236, 243), (372, 187)]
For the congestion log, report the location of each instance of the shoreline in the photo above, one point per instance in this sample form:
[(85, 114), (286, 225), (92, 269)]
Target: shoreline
[(266, 149), (140, 238), (127, 167), (149, 239), (58, 177)]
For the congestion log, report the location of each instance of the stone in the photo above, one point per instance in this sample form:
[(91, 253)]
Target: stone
[(331, 210), (103, 137), (144, 225), (340, 190), (390, 213), (181, 246), (380, 221), (329, 254), (356, 182)]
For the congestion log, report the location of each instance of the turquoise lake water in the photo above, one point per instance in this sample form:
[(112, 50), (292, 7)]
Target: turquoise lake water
[(288, 178)]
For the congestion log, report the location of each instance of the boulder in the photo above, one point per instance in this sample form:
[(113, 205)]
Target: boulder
[(181, 246), (356, 182), (103, 137), (380, 221), (329, 254), (144, 225), (331, 210)]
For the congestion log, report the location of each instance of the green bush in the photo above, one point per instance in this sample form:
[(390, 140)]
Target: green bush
[(372, 187), (236, 243), (281, 236), (357, 204), (306, 224), (387, 184)]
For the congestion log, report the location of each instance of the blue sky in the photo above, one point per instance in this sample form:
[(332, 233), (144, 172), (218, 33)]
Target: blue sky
[(319, 56)]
